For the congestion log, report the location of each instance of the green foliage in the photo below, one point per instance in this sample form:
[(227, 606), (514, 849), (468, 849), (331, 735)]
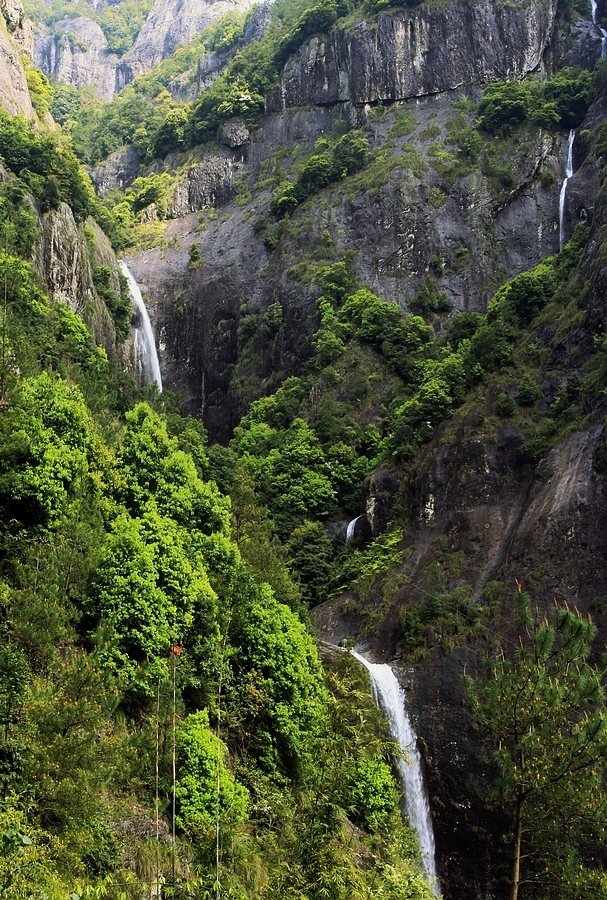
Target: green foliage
[(504, 406), (310, 553), (283, 696), (119, 305), (314, 20), (528, 391), (206, 790), (563, 100), (225, 99), (50, 170), (17, 219), (39, 87), (446, 620), (543, 708), (332, 162), (428, 300)]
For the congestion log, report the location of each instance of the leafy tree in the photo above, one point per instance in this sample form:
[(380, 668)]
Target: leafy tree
[(147, 588), (310, 554), (543, 708), (153, 468), (205, 788), (278, 690)]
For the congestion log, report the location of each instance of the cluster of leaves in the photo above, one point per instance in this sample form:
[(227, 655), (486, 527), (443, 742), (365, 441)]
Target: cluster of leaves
[(316, 19), (543, 707), (332, 161), (119, 305), (563, 100), (49, 168)]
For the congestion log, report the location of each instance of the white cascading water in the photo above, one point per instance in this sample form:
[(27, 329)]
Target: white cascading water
[(148, 366), (390, 698), (600, 28), (351, 527), (568, 174)]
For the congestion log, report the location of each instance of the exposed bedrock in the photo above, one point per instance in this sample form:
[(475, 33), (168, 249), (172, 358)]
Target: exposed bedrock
[(416, 52)]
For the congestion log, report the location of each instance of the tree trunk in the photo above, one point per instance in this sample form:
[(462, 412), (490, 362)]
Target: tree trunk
[(518, 834)]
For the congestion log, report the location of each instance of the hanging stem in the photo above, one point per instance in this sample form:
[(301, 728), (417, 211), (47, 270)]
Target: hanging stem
[(174, 751), (157, 783), (4, 312)]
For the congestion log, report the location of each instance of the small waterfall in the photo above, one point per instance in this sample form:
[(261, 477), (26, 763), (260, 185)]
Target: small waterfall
[(148, 366), (351, 528), (568, 174), (391, 699), (600, 28)]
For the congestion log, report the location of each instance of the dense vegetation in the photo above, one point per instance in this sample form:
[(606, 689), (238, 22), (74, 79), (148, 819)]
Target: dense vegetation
[(154, 591), (145, 660)]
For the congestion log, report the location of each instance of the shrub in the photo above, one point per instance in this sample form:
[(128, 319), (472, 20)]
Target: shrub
[(528, 391), (504, 406)]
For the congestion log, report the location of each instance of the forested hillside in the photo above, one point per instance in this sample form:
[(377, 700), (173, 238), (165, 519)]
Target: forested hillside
[(371, 239)]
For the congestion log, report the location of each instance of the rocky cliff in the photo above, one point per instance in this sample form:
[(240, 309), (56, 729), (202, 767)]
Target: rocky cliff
[(15, 38), (476, 511), (408, 218), (412, 53), (75, 51)]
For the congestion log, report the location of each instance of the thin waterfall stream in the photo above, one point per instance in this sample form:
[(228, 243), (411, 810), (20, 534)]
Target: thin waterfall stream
[(599, 27), (390, 697), (568, 174), (146, 355), (351, 528)]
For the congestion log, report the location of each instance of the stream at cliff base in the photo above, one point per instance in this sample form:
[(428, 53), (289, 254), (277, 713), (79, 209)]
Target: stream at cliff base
[(390, 697)]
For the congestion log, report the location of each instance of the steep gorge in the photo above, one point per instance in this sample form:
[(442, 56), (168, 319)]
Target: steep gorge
[(482, 503)]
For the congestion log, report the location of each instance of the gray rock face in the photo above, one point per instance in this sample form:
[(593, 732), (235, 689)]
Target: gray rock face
[(12, 13), (171, 22), (62, 257), (418, 52), (119, 170), (234, 134), (75, 52), (380, 490), (210, 65), (208, 184), (259, 22), (14, 94), (393, 234)]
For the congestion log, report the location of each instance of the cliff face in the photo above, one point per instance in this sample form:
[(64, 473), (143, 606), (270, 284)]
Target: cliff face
[(15, 38), (417, 52), (64, 256), (477, 511), (410, 220), (75, 52), (169, 23)]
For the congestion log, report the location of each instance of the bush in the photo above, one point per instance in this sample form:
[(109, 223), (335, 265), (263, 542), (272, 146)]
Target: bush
[(528, 391), (504, 406)]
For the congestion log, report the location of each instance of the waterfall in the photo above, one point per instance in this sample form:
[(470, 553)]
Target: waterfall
[(391, 699), (568, 174), (148, 367), (351, 528), (600, 28)]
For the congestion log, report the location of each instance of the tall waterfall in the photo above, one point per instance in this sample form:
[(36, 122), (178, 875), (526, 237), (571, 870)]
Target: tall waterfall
[(600, 28), (148, 366), (390, 697), (568, 174)]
